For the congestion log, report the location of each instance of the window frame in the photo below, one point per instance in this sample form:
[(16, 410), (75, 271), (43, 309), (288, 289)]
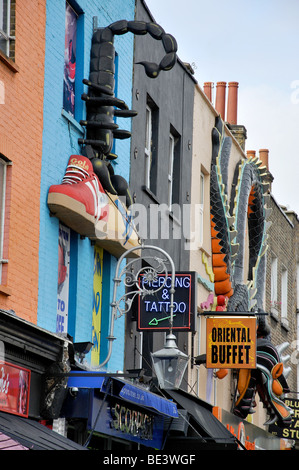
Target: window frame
[(174, 169), (7, 36), (3, 191), (274, 285), (284, 296), (148, 145), (171, 156), (151, 146), (201, 206)]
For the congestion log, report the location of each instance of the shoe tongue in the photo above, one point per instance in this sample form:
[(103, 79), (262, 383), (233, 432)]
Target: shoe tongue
[(81, 162)]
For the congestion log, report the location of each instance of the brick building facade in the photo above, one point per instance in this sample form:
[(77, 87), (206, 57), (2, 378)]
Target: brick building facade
[(21, 125), (282, 282)]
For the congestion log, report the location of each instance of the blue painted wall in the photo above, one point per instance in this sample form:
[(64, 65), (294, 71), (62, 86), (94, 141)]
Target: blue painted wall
[(60, 141)]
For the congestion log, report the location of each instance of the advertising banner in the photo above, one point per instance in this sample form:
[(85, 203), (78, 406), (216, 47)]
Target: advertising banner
[(69, 60), (97, 304), (63, 279), (154, 310), (231, 342), (14, 389)]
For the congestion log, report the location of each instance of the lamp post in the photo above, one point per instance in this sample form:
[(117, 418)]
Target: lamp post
[(169, 363)]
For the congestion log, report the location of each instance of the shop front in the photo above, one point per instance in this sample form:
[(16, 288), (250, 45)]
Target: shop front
[(27, 398), (250, 437), (109, 413)]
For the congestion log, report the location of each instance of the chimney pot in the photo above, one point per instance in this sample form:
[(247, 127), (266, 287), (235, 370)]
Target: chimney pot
[(220, 99), (250, 153), (232, 102), (207, 87), (264, 157)]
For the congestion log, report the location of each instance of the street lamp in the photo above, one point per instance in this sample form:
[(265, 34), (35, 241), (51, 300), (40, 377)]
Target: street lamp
[(169, 363)]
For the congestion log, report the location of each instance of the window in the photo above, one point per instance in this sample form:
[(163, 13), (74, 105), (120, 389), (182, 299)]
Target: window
[(201, 207), (7, 27), (274, 302), (151, 145), (3, 176), (284, 296), (70, 59), (173, 170)]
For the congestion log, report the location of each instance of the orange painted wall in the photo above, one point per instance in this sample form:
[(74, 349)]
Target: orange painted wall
[(21, 124)]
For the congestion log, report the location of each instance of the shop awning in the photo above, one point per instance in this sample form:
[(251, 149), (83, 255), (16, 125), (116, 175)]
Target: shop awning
[(26, 434), (148, 400), (201, 412), (126, 391), (85, 379)]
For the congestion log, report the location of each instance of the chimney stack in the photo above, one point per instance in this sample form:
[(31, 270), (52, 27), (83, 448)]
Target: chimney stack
[(207, 88), (250, 153), (264, 157), (220, 99), (232, 103)]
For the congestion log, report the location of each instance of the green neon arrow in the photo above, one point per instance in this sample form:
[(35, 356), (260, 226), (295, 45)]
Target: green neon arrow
[(154, 321)]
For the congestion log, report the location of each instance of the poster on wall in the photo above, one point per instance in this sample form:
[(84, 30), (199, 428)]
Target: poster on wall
[(63, 279), (14, 389), (97, 304), (69, 60)]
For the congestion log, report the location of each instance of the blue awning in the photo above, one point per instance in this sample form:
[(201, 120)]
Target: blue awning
[(128, 392), (149, 400), (85, 379)]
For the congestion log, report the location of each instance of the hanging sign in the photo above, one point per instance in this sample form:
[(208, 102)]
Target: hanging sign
[(291, 432), (14, 389), (231, 342), (154, 309)]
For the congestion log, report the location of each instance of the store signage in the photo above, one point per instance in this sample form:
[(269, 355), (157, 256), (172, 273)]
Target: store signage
[(130, 421), (154, 309), (250, 436), (231, 342), (122, 420), (14, 389), (291, 432)]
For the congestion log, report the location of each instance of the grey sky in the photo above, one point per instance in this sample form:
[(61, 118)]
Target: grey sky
[(256, 43)]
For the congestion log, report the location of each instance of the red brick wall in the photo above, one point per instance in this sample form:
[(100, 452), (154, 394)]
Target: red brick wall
[(21, 124)]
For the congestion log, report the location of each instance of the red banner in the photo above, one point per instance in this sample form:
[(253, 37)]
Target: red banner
[(14, 389)]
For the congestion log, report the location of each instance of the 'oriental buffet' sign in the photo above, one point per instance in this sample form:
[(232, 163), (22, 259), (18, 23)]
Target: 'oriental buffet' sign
[(231, 342), (14, 389)]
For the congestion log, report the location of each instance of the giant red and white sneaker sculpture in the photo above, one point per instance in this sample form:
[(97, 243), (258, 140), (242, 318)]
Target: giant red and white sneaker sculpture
[(80, 200), (81, 203)]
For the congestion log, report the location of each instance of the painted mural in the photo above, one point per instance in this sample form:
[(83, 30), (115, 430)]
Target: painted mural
[(92, 199), (231, 216)]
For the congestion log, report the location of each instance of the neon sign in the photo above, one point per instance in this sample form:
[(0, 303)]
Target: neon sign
[(154, 310)]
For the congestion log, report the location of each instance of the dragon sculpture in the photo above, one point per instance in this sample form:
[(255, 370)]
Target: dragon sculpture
[(230, 217)]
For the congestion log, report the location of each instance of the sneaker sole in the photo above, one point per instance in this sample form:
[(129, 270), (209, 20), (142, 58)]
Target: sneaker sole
[(72, 213), (105, 234)]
